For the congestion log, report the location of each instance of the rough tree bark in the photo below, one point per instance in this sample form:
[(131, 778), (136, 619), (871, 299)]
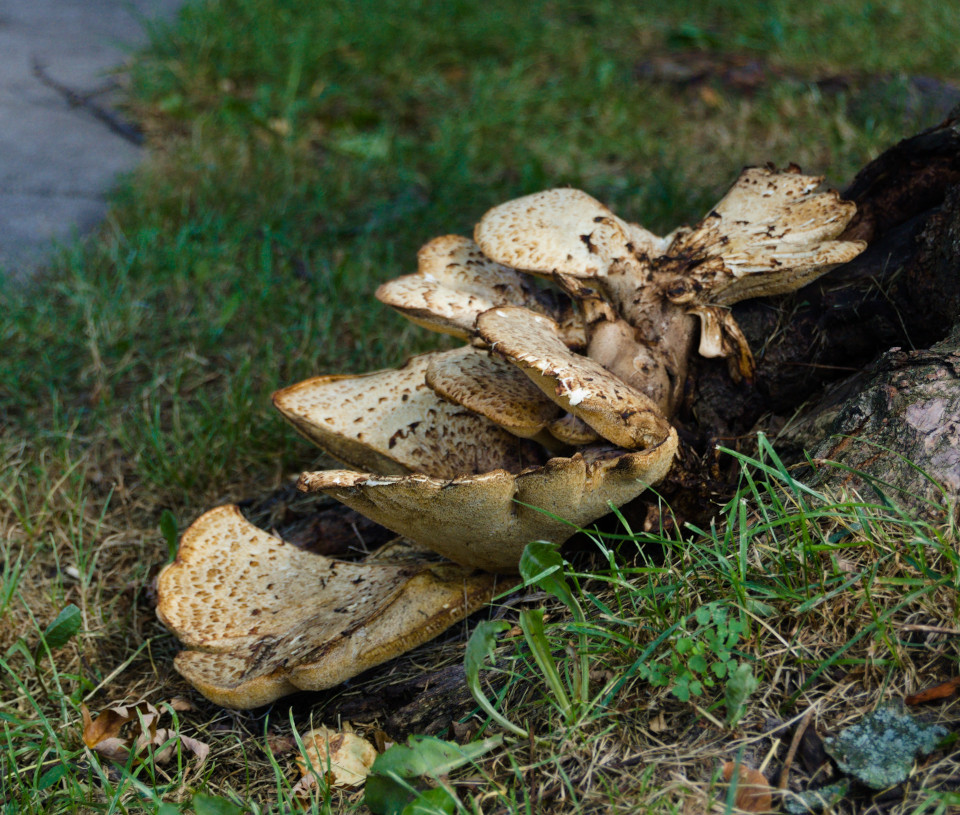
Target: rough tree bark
[(842, 367)]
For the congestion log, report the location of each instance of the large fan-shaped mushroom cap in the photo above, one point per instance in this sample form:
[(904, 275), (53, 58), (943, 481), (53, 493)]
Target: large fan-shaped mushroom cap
[(485, 520), (267, 619), (618, 412), (562, 231), (392, 422), (770, 234), (455, 283)]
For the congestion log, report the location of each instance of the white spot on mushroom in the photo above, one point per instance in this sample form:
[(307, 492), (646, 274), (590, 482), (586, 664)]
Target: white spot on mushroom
[(577, 396)]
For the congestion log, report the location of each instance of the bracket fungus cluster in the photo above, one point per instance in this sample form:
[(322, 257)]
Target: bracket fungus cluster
[(557, 408)]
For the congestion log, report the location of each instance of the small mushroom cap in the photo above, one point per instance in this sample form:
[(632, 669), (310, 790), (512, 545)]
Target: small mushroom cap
[(562, 231), (618, 412), (493, 388), (484, 521), (572, 430), (771, 234), (268, 618), (391, 421), (455, 283)]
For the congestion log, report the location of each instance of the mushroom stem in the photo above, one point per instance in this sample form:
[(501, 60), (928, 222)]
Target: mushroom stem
[(649, 345)]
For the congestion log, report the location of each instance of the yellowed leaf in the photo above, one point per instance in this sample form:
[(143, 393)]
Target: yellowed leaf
[(343, 759)]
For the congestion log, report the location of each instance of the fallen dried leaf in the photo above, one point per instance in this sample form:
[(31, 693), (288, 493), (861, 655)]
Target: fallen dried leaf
[(753, 789), (108, 724), (281, 744), (942, 691), (164, 735), (181, 705), (343, 759), (103, 734)]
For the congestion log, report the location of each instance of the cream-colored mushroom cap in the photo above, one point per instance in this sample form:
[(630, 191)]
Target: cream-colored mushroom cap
[(493, 388), (618, 412), (561, 231), (484, 521), (455, 282), (392, 422), (266, 618), (770, 234)]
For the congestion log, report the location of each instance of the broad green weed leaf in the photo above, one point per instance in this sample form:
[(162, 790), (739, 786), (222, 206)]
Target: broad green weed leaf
[(531, 622), (64, 628), (388, 795), (214, 805), (438, 801), (170, 531), (429, 756), (391, 785), (167, 809), (52, 776), (479, 650), (816, 800), (542, 566), (741, 684)]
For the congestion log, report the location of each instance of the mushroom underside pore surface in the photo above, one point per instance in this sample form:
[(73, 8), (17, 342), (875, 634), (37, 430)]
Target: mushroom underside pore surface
[(558, 408)]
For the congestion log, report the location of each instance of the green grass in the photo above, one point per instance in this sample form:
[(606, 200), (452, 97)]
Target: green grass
[(301, 154)]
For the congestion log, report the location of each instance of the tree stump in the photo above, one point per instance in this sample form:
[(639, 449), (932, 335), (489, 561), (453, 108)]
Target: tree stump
[(861, 366)]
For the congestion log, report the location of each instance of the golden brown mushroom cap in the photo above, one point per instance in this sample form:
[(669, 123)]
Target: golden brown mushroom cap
[(572, 430), (392, 422), (485, 520), (266, 618), (493, 388), (618, 412)]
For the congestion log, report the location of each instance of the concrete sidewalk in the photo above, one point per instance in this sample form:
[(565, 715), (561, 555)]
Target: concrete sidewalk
[(58, 161)]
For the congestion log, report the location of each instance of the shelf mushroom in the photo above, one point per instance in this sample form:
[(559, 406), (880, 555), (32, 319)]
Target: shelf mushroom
[(262, 619), (557, 409)]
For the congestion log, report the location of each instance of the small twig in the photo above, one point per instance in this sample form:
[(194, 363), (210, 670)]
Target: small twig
[(123, 129), (794, 746), (930, 629)]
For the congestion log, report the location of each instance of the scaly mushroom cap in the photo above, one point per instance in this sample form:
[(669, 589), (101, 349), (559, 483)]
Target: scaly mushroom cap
[(267, 619), (493, 388), (618, 412), (484, 521), (455, 283), (392, 422), (770, 234), (561, 231)]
